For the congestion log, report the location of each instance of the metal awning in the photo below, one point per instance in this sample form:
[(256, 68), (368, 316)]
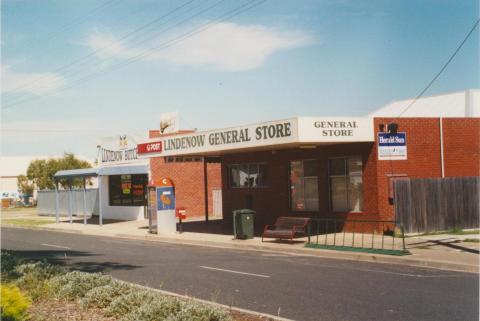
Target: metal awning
[(123, 170), (102, 171), (74, 173)]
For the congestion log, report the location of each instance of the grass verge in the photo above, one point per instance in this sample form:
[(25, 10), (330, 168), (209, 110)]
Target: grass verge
[(358, 249), (452, 232), (26, 222)]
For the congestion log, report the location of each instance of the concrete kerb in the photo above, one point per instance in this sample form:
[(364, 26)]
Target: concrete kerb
[(328, 254)]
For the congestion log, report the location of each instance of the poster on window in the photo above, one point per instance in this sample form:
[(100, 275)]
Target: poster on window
[(392, 146)]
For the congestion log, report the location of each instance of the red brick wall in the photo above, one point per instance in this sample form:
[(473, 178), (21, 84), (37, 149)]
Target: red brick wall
[(461, 152), (188, 178), (423, 156), (461, 141)]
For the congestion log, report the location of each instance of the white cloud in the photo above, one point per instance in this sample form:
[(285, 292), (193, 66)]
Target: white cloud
[(224, 46), (33, 83)]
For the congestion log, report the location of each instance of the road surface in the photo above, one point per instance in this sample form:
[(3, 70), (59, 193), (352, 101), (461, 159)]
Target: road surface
[(296, 287)]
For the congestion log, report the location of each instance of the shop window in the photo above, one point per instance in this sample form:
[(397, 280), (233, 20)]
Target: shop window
[(346, 188), (127, 190), (303, 185), (248, 175)]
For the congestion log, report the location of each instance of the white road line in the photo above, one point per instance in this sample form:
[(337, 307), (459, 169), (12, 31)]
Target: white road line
[(58, 246), (232, 271)]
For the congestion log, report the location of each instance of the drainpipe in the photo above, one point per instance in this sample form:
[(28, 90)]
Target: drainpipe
[(441, 147)]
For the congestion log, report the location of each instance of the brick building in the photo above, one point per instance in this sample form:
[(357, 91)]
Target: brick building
[(301, 166), (329, 167), (189, 175)]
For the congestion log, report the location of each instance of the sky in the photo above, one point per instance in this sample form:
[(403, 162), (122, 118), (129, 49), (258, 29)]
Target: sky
[(75, 71)]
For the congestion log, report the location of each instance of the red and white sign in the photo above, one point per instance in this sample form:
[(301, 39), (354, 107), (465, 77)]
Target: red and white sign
[(148, 148)]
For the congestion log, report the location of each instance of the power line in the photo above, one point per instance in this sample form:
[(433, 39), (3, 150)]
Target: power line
[(20, 101), (78, 20), (442, 69), (230, 14), (18, 130), (78, 60)]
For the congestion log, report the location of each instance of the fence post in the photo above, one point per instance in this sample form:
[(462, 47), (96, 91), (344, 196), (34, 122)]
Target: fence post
[(334, 231), (353, 236), (326, 231)]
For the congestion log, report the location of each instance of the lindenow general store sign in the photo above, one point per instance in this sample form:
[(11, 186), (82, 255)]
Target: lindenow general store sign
[(290, 131)]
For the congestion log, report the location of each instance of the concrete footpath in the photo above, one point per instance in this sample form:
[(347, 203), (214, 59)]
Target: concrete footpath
[(447, 252)]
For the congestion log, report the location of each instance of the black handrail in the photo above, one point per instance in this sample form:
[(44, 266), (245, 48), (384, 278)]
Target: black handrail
[(372, 225)]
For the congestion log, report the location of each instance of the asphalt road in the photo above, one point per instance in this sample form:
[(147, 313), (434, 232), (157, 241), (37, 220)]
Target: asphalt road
[(296, 287)]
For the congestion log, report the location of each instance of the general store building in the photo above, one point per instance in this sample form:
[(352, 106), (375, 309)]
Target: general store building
[(335, 166)]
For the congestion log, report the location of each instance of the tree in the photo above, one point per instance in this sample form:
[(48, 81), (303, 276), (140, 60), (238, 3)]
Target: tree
[(41, 172), (24, 185)]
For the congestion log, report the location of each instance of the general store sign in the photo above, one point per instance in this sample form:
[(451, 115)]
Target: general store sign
[(392, 146), (275, 133)]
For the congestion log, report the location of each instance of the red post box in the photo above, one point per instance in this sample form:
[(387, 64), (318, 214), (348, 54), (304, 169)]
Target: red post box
[(181, 213)]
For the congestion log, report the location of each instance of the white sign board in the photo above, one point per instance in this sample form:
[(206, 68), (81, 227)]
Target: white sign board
[(287, 132), (117, 149), (335, 130), (392, 146)]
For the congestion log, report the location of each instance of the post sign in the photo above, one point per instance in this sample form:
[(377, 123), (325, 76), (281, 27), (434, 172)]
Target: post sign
[(392, 146), (149, 148)]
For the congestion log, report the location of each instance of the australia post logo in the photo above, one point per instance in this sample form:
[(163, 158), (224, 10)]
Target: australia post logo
[(147, 148)]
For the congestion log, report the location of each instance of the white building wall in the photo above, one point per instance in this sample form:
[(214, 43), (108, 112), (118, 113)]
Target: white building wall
[(127, 213), (464, 103)]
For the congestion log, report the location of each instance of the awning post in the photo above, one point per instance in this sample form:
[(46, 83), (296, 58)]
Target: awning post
[(57, 216), (84, 203), (70, 206), (100, 205)]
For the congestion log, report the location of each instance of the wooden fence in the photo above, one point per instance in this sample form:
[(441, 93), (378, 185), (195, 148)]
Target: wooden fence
[(437, 204)]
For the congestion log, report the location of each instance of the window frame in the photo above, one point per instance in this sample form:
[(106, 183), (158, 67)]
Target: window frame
[(230, 178), (289, 168), (346, 177), (132, 199)]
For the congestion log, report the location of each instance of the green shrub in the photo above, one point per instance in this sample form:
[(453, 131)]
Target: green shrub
[(9, 262), (125, 304), (102, 296), (74, 285), (193, 311), (33, 278), (159, 309), (14, 304)]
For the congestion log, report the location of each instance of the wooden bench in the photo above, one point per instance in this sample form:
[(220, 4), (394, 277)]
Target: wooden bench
[(287, 228)]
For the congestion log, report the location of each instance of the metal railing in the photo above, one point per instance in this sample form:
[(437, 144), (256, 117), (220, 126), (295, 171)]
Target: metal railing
[(356, 234)]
